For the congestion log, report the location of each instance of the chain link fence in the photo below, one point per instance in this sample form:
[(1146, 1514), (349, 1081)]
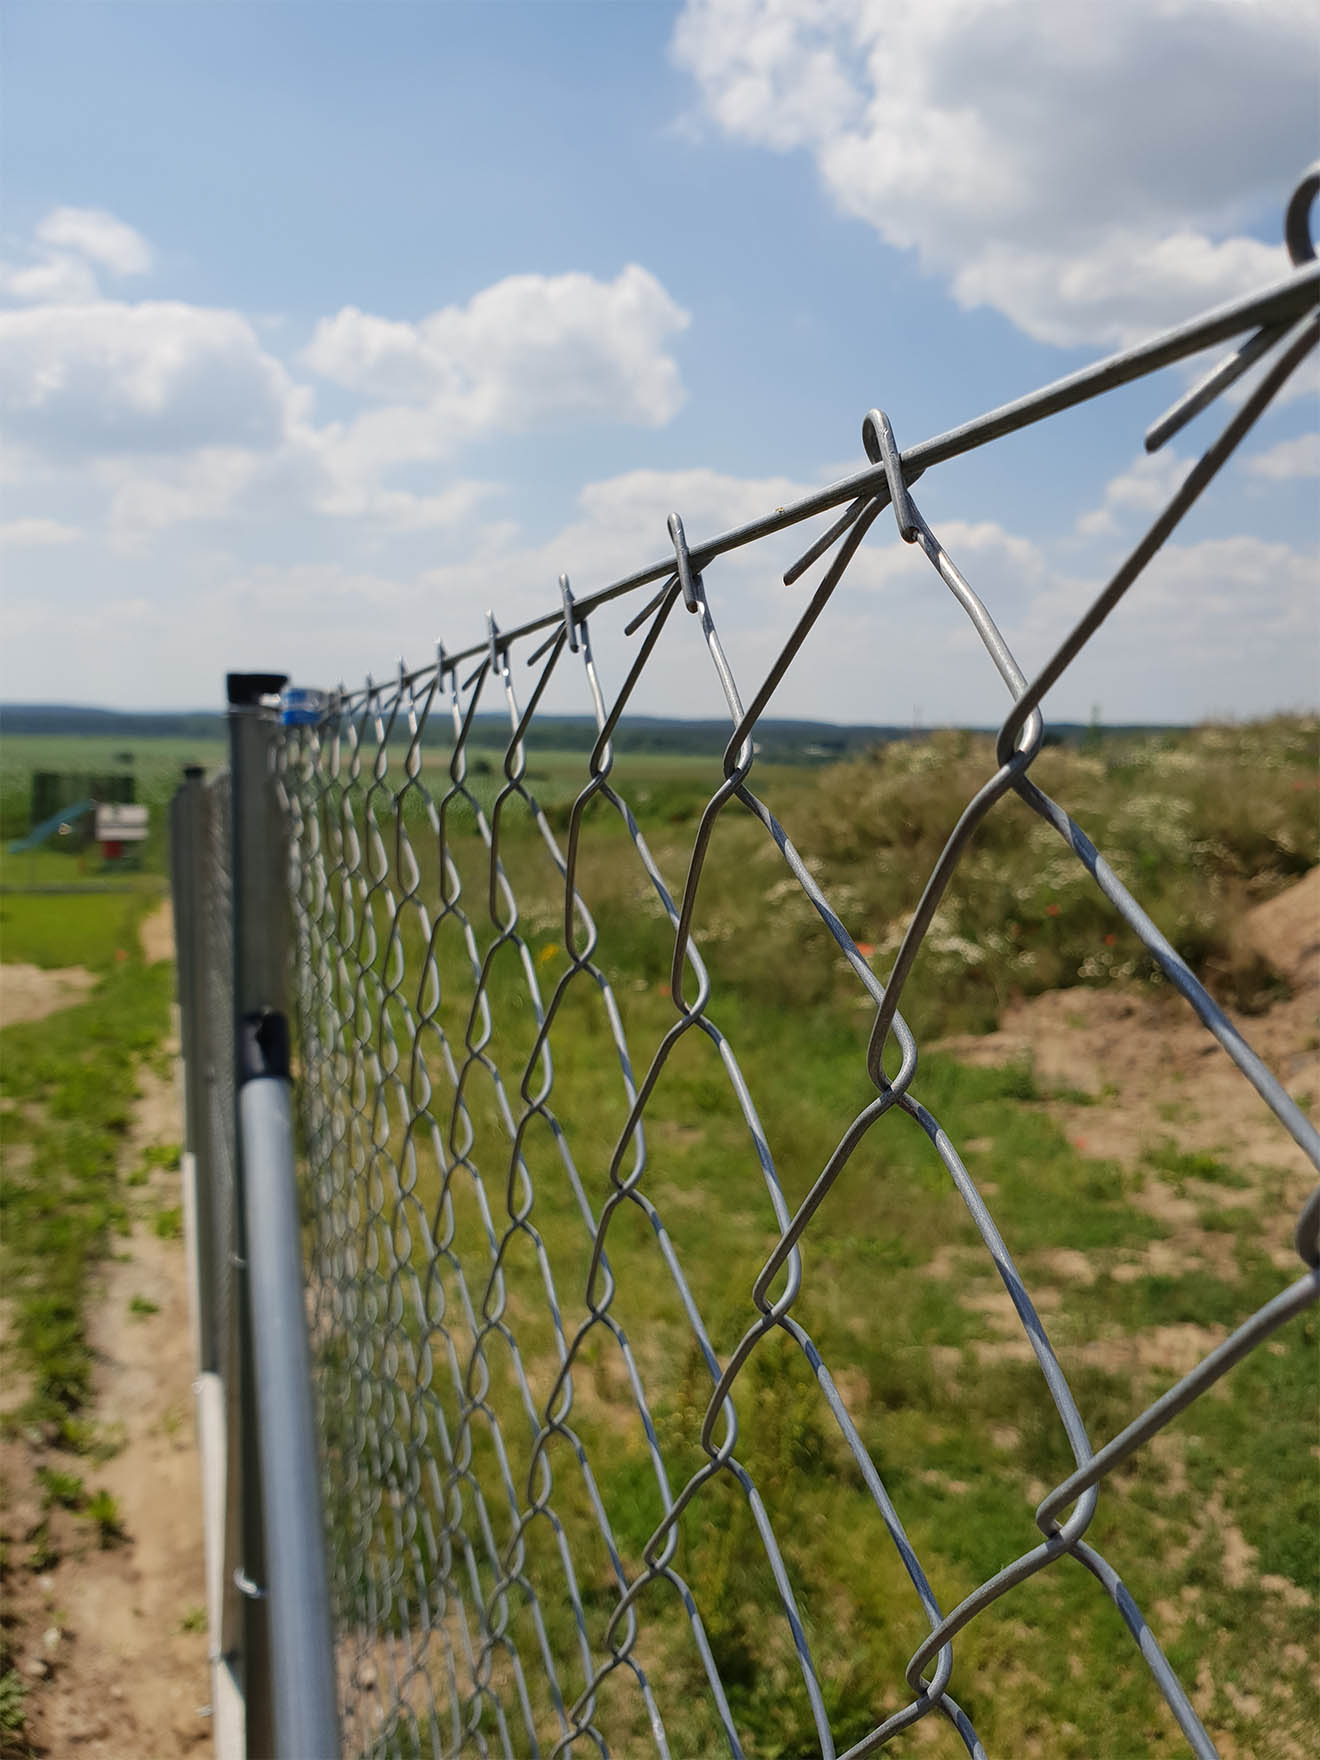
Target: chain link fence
[(589, 1481)]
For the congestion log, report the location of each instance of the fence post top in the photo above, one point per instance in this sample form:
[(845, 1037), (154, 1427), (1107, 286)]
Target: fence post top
[(245, 690)]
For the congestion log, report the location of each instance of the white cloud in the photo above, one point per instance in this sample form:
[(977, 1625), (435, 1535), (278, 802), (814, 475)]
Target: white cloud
[(1143, 488), (161, 376), (99, 237), (1122, 289), (180, 413), (54, 279), (1220, 625), (528, 350), (67, 243), (1290, 458), (35, 534), (232, 482), (1069, 165)]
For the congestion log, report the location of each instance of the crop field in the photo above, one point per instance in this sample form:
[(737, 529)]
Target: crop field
[(1148, 1218)]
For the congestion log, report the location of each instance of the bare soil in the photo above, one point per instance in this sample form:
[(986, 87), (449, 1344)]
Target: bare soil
[(106, 1636), (1132, 1072), (30, 993), (1167, 1077)]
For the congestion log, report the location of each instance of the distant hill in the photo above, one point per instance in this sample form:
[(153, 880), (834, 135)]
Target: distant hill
[(65, 718), (779, 741)]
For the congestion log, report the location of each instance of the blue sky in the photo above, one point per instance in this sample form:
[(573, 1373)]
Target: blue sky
[(325, 326)]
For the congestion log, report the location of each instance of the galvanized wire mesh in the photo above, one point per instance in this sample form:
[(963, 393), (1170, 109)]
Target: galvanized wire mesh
[(481, 1369)]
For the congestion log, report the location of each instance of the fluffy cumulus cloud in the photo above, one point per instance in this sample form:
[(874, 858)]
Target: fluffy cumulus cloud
[(98, 236), (107, 377), (181, 412), (175, 428), (529, 350), (1086, 170), (70, 244)]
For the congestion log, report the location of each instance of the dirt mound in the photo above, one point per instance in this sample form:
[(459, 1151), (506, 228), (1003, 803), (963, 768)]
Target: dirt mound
[(1130, 1068), (1286, 930)]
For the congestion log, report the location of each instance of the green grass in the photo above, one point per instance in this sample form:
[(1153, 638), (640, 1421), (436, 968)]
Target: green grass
[(69, 1082), (168, 1223), (13, 1713), (52, 931), (62, 1488), (104, 1513)]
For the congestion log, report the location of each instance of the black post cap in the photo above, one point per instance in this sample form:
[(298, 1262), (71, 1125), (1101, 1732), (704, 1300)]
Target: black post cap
[(246, 689)]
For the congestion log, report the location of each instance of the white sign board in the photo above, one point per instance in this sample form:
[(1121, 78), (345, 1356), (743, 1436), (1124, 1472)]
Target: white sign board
[(121, 824)]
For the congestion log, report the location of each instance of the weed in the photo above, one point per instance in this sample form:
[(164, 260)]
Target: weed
[(44, 1554), (193, 1620), (168, 1223), (142, 1307), (61, 1488), (13, 1714), (95, 1442), (103, 1510), (1166, 1157), (163, 1157)]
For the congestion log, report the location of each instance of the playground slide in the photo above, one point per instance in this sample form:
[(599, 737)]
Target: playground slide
[(50, 827)]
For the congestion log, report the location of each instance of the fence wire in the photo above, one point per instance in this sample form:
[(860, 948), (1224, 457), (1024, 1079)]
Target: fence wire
[(520, 1440)]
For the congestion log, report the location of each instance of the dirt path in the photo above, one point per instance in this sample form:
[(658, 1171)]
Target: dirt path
[(109, 1639)]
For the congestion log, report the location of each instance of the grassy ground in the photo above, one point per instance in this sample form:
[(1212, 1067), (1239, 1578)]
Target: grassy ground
[(898, 1294), (67, 1087), (67, 1084)]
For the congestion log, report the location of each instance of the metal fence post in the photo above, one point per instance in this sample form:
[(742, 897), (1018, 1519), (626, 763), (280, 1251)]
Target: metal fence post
[(291, 1707), (187, 868)]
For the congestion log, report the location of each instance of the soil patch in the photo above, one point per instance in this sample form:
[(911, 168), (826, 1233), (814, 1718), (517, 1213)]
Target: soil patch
[(156, 932), (1152, 1072), (30, 993)]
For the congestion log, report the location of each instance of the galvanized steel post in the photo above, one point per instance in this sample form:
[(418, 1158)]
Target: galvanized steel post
[(288, 1659), (189, 897)]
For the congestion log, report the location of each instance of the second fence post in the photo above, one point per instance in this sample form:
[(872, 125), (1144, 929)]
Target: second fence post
[(282, 1477)]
